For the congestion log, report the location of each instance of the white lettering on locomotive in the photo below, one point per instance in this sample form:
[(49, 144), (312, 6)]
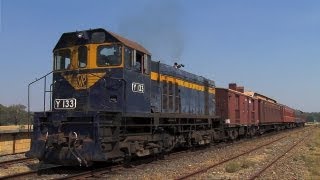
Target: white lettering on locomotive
[(137, 87), (66, 103)]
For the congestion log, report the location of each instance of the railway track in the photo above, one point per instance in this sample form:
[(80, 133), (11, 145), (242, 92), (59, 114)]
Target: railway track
[(260, 172), (203, 170), (100, 172), (4, 164)]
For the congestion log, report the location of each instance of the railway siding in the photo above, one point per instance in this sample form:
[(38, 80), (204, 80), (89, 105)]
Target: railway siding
[(303, 160), (289, 166)]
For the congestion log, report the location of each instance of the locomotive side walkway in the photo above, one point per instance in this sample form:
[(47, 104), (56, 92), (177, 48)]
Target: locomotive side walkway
[(14, 139)]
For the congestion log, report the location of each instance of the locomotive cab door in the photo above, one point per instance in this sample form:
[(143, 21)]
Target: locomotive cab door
[(137, 76)]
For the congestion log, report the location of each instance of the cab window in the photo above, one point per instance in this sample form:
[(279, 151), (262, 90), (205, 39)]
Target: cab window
[(128, 57), (141, 63), (109, 55), (138, 62), (146, 64), (82, 56), (62, 59)]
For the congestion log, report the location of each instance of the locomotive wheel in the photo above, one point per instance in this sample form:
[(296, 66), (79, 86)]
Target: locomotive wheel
[(233, 134), (161, 155), (127, 161)]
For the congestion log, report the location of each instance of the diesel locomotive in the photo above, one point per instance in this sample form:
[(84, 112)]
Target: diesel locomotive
[(111, 102)]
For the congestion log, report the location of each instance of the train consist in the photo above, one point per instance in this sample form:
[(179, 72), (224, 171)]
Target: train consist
[(111, 102)]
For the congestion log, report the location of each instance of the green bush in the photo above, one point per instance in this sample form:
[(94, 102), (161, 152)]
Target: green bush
[(13, 115), (233, 167)]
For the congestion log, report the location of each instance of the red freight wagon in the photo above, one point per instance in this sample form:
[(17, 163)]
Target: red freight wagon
[(235, 106), (288, 114), (269, 110)]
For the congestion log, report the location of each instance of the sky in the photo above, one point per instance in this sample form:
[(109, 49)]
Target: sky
[(268, 46)]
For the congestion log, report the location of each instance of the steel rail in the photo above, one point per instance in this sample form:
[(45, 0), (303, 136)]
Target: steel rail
[(92, 173), (19, 175), (15, 161)]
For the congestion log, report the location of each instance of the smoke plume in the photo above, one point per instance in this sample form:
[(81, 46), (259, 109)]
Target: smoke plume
[(156, 26)]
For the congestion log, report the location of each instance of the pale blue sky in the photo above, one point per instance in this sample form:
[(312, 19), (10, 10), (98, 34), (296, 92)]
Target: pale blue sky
[(268, 46)]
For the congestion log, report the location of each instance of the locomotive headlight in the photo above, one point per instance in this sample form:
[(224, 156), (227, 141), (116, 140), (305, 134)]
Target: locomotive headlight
[(80, 35)]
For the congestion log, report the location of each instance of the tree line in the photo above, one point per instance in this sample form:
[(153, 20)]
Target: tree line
[(313, 117), (13, 115)]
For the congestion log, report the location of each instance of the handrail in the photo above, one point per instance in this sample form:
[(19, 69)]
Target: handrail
[(44, 96)]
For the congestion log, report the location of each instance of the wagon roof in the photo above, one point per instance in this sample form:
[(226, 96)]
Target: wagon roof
[(246, 93), (263, 97)]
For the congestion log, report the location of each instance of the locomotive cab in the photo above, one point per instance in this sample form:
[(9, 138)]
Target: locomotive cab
[(97, 70)]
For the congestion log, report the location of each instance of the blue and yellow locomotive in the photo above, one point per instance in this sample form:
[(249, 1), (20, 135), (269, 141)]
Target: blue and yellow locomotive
[(112, 102)]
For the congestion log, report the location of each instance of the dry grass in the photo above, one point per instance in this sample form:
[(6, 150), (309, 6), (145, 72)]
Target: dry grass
[(312, 156)]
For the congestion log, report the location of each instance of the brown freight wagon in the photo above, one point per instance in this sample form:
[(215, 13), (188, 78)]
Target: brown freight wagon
[(269, 110), (236, 107), (288, 114)]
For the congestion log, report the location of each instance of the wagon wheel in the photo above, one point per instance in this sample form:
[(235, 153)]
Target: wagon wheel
[(251, 132)]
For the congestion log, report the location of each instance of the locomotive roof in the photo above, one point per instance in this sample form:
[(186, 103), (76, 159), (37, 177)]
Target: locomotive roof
[(179, 73), (71, 39), (130, 43)]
